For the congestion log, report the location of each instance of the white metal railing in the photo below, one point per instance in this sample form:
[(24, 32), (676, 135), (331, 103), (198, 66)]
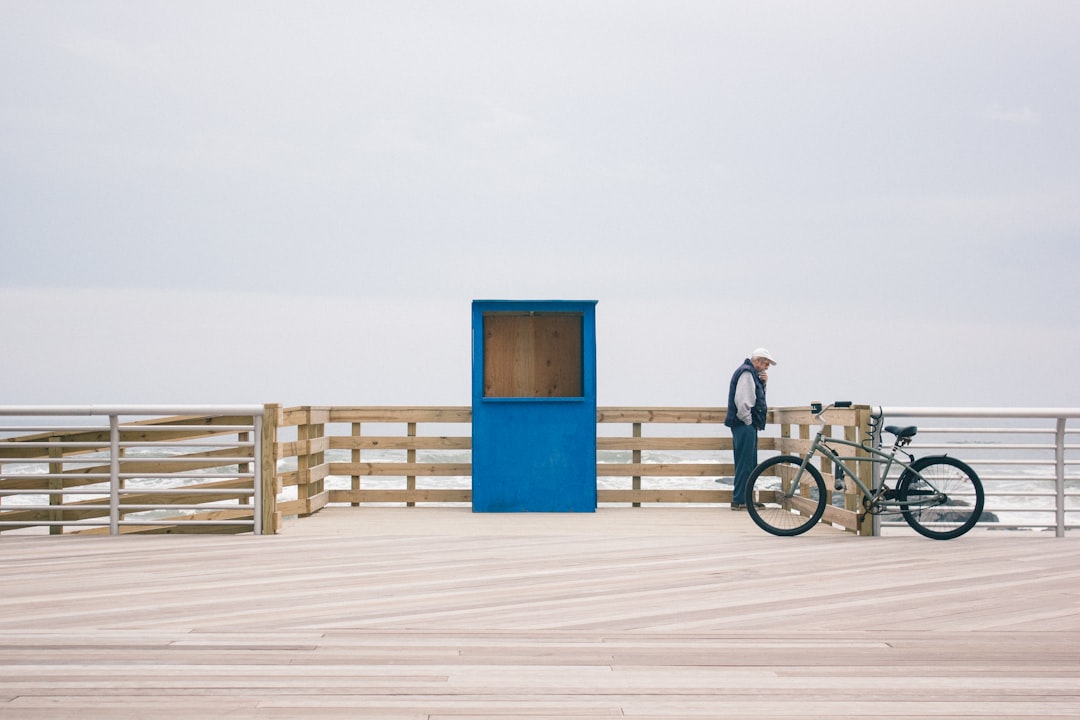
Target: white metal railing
[(84, 461), (1029, 468)]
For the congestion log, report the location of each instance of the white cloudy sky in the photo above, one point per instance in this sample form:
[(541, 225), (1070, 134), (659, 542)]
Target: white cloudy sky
[(240, 201)]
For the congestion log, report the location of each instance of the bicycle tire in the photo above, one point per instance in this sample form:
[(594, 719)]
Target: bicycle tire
[(785, 514), (963, 503)]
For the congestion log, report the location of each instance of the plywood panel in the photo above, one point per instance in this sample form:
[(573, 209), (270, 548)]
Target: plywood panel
[(533, 355)]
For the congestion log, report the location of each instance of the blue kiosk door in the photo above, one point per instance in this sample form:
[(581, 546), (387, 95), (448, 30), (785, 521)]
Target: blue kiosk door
[(534, 406)]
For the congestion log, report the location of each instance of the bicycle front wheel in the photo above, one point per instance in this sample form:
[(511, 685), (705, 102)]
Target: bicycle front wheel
[(945, 502), (786, 508)]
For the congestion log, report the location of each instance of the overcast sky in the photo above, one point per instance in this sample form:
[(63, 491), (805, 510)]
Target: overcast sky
[(296, 202)]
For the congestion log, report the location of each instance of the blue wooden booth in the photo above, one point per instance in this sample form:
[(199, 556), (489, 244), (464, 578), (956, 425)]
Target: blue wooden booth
[(534, 406)]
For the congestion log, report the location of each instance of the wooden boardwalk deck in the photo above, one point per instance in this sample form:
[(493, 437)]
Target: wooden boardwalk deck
[(436, 613)]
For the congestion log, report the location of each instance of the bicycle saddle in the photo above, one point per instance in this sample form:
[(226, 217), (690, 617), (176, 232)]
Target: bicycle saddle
[(902, 432)]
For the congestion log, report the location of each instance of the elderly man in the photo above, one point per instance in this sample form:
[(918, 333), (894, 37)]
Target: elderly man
[(746, 416)]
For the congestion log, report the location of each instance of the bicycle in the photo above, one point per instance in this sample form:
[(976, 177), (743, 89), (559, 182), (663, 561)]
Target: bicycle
[(939, 496)]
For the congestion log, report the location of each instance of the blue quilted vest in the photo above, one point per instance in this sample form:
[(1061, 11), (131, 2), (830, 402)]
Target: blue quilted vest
[(757, 413)]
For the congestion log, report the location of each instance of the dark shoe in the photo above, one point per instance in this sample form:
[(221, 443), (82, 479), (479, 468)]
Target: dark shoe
[(738, 506), (759, 505)]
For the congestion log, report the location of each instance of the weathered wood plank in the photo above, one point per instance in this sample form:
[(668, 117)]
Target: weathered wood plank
[(305, 415), (660, 415), (426, 414), (394, 442), (308, 476), (403, 469), (663, 469), (647, 495), (417, 495), (129, 432), (662, 443), (303, 447)]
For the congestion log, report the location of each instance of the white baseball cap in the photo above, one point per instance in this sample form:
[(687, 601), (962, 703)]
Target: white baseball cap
[(763, 353)]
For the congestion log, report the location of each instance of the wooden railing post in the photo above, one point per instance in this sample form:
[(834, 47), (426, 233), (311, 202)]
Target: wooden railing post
[(243, 468), (309, 484), (410, 457), (56, 468), (357, 431), (271, 483), (636, 485)]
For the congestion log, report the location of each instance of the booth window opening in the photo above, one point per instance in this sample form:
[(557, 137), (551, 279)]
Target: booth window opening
[(533, 355)]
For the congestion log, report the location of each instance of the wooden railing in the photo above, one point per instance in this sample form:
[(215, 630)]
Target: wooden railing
[(420, 455), (175, 474), (315, 456), (358, 441)]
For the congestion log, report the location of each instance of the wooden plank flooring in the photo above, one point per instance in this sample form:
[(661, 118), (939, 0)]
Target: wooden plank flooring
[(437, 613)]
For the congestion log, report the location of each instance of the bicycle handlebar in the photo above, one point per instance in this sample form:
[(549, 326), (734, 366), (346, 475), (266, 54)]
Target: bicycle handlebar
[(817, 409)]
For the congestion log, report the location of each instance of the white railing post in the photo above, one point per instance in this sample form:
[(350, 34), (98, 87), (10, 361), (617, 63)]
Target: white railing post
[(1059, 477)]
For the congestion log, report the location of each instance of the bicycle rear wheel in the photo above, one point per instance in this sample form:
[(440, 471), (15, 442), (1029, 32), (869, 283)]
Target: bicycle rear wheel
[(959, 492), (786, 509)]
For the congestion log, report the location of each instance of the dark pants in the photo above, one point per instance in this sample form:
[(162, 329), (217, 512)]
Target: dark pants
[(744, 440)]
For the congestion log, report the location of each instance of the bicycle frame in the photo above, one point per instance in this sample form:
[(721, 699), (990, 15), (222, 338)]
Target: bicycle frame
[(878, 498)]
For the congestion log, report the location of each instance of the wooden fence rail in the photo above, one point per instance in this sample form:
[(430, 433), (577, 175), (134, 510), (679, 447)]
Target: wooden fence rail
[(414, 455)]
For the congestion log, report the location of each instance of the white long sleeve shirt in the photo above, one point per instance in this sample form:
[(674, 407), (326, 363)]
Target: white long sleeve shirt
[(745, 397)]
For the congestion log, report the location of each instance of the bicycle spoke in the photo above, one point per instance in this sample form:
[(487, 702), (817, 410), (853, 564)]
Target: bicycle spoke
[(944, 500), (785, 509)]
